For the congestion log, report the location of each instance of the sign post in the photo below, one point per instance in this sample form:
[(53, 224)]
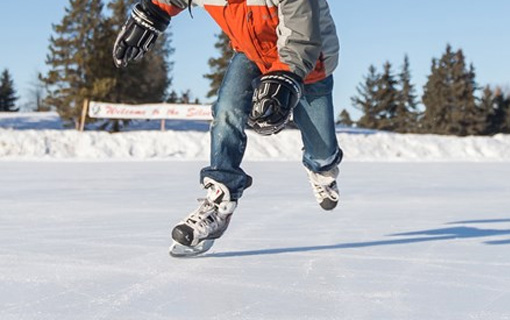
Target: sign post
[(83, 117)]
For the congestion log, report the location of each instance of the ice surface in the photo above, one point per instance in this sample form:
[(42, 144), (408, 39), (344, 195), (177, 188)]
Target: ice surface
[(89, 240)]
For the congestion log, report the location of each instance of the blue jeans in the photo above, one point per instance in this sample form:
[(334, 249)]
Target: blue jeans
[(313, 115)]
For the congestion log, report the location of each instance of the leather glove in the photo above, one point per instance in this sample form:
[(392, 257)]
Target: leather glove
[(276, 94), (140, 32)]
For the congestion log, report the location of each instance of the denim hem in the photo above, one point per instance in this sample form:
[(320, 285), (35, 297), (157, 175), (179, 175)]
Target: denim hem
[(317, 166)]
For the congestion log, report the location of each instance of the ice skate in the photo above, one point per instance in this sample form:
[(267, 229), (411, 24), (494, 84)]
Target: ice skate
[(196, 234), (324, 187)]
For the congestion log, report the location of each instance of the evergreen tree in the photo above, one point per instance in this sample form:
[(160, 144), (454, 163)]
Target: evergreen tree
[(71, 50), (449, 97), (344, 118), (184, 98), (499, 114), (36, 94), (504, 104), (7, 93), (219, 65), (386, 99), (173, 97), (406, 113), (435, 119), (487, 103), (81, 63), (366, 100), (468, 117), (377, 99)]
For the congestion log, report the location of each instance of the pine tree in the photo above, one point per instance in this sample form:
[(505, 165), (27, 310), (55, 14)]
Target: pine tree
[(81, 64), (184, 98), (344, 118), (434, 100), (219, 65), (504, 103), (377, 99), (36, 94), (449, 97), (71, 51), (366, 100), (406, 114), (489, 106), (499, 117), (386, 99), (7, 93), (468, 118), (173, 97)]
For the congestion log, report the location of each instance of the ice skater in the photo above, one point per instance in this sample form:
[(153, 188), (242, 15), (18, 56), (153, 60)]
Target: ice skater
[(285, 54)]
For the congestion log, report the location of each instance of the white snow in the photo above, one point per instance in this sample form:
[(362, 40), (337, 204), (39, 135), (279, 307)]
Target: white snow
[(33, 136), (422, 231)]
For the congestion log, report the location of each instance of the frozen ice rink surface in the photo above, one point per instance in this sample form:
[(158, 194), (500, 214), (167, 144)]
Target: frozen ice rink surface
[(89, 240)]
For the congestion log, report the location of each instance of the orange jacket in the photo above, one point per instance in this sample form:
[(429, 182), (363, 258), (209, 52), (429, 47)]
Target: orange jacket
[(291, 35)]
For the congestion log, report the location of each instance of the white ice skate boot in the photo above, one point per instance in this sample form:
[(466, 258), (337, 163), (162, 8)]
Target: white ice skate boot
[(324, 187), (196, 233)]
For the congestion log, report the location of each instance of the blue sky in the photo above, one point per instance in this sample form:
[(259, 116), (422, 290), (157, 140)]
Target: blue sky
[(371, 32)]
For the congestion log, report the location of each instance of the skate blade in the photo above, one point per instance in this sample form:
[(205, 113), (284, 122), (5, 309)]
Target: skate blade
[(178, 250)]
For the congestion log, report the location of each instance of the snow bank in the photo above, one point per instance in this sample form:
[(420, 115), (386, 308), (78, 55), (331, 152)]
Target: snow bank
[(194, 145), (42, 136)]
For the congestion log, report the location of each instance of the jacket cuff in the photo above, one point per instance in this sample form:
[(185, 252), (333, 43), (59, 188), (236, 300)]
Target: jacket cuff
[(168, 8)]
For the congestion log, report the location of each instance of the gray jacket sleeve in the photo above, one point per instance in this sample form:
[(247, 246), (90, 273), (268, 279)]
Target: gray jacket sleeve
[(299, 37)]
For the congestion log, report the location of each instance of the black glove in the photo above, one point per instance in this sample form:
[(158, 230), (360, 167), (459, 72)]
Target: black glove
[(276, 95), (139, 33)]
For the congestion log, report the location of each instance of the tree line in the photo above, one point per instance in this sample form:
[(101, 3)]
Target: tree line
[(81, 67), (452, 102)]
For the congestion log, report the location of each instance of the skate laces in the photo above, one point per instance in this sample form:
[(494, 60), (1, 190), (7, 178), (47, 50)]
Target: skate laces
[(324, 184), (325, 191), (206, 217), (214, 210)]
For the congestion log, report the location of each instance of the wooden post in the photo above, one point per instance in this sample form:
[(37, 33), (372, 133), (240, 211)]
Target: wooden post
[(84, 112), (163, 124)]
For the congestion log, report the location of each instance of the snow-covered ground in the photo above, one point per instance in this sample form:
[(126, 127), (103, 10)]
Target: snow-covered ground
[(88, 240), (40, 136), (422, 231)]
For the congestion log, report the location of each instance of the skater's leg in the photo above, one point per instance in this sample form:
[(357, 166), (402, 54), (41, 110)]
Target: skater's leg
[(223, 179), (230, 113), (315, 118)]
